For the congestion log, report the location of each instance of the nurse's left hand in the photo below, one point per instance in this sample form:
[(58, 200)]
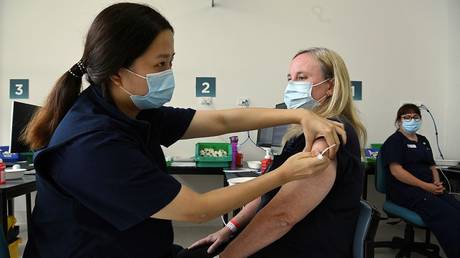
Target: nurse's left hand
[(315, 127)]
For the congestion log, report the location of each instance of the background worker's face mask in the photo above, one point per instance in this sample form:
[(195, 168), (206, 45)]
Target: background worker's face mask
[(412, 125), (161, 88), (298, 94)]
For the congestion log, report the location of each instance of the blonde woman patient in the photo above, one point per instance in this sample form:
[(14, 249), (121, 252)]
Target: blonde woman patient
[(313, 217)]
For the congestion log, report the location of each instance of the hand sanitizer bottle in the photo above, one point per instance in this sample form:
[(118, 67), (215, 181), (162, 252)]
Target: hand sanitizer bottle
[(267, 161)]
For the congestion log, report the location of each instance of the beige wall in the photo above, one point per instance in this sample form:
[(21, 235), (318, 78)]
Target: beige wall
[(401, 50)]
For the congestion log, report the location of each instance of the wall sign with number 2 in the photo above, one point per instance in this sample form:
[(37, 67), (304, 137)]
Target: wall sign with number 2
[(205, 86)]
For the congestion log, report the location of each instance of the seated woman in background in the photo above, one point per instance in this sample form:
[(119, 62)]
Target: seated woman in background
[(414, 182), (314, 217)]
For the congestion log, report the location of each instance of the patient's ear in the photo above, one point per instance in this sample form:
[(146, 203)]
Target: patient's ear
[(330, 88)]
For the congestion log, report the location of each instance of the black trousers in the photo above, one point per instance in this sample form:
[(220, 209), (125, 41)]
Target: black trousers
[(441, 214)]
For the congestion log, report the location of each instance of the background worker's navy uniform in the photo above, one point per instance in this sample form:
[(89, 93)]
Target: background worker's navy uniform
[(327, 231), (101, 178), (441, 213)]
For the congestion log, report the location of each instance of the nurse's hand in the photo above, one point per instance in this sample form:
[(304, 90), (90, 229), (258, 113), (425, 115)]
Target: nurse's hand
[(302, 165), (315, 127), (215, 239)]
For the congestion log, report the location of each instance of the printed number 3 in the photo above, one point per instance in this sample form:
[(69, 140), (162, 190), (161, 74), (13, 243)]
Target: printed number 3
[(19, 89), (205, 90)]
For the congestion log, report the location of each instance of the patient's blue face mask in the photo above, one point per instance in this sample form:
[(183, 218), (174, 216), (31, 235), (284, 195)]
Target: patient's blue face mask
[(298, 94), (161, 87)]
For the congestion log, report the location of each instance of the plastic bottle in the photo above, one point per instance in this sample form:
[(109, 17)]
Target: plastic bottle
[(234, 143), (2, 172), (267, 161)]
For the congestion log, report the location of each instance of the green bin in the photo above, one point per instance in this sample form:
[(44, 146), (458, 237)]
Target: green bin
[(213, 162)]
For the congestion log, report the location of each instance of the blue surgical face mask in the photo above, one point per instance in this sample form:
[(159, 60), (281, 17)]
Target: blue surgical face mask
[(298, 94), (411, 126), (161, 88)]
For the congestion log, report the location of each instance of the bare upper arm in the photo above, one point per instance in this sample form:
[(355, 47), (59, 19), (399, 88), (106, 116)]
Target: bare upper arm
[(205, 123), (298, 198)]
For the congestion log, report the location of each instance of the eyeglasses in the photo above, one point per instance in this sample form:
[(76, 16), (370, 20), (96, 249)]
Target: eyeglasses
[(409, 117)]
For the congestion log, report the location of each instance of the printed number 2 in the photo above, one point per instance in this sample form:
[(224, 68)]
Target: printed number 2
[(19, 89), (205, 90)]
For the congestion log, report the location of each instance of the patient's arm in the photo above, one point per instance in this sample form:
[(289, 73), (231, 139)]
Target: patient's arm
[(290, 205), (223, 235)]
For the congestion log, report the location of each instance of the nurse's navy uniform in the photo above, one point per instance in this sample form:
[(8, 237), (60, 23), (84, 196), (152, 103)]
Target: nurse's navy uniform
[(100, 179), (441, 213)]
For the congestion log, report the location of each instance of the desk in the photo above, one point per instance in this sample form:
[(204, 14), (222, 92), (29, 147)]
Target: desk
[(12, 189), (195, 171), (369, 169), (455, 176), (241, 174)]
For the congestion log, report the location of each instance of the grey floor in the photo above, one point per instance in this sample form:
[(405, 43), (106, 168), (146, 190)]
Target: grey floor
[(186, 234)]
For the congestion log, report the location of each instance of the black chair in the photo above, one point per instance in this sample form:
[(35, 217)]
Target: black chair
[(407, 244), (366, 228), (4, 252)]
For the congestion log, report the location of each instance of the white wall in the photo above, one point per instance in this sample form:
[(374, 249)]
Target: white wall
[(453, 86), (402, 50), (247, 45)]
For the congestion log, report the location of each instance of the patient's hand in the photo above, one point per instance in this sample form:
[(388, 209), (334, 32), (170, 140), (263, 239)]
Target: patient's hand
[(215, 239)]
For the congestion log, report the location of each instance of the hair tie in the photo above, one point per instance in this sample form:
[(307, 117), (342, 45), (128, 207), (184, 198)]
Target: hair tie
[(78, 70)]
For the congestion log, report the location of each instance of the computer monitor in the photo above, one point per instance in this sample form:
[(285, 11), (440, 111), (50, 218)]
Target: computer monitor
[(21, 113), (279, 131), (272, 137), (264, 137)]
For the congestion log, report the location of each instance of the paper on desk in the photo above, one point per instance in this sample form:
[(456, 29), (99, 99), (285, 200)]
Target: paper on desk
[(183, 164), (240, 170)]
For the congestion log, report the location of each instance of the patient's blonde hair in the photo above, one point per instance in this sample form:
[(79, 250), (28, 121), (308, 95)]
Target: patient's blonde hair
[(340, 103)]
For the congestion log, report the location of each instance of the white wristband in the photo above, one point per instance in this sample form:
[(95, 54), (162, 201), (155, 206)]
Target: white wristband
[(231, 226)]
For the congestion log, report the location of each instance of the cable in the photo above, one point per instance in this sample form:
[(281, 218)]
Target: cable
[(445, 177), (251, 140), (423, 107), (448, 183)]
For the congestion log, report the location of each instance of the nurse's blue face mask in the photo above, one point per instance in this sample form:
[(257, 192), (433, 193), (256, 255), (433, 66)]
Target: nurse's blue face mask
[(411, 124), (299, 94), (161, 87)]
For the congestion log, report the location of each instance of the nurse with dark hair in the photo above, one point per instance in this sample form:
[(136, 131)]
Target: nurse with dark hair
[(102, 183), (414, 181)]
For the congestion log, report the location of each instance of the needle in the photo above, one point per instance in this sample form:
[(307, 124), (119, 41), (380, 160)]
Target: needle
[(320, 156)]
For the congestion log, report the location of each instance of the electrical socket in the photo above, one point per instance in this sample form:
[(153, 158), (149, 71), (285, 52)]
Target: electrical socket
[(243, 101), (205, 101)]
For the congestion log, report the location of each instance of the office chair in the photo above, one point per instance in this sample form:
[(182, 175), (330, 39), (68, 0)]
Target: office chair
[(4, 252), (407, 244), (366, 228)]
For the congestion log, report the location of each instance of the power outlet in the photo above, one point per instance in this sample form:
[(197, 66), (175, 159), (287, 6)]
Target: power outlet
[(243, 102), (206, 101)]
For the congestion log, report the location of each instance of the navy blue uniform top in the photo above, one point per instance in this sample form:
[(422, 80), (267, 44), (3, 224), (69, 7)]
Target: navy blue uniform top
[(414, 156), (101, 178), (327, 231)]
